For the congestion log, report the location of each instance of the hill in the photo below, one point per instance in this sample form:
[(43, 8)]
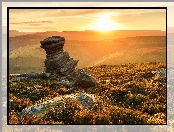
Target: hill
[(113, 51), (23, 39), (14, 33)]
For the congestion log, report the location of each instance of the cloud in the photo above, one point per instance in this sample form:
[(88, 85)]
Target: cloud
[(15, 23), (130, 15), (64, 18), (35, 28), (31, 23), (35, 22), (74, 12)]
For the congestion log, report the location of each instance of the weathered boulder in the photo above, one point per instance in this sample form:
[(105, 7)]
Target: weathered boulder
[(84, 79), (83, 99)]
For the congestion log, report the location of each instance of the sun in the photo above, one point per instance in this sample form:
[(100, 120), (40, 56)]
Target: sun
[(104, 23)]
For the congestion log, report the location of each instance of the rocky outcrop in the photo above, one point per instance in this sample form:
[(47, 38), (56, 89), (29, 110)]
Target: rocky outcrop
[(57, 61)]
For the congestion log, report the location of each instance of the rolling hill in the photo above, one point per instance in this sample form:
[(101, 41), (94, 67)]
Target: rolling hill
[(27, 56)]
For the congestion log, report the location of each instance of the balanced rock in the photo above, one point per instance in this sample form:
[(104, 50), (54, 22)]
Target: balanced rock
[(57, 61)]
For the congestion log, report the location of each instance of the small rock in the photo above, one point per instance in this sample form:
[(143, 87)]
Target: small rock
[(17, 79), (30, 75), (67, 83), (11, 104), (162, 72), (44, 75), (85, 100)]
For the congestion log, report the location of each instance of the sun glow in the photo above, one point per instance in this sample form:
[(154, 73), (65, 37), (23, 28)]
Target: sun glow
[(104, 23)]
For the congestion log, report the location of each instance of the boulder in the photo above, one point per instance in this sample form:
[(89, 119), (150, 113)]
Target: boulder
[(83, 99), (84, 79)]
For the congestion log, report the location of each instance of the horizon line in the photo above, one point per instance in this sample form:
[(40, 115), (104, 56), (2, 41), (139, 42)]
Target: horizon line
[(94, 30)]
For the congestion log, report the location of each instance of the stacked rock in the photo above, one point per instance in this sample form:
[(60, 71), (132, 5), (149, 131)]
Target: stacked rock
[(57, 61)]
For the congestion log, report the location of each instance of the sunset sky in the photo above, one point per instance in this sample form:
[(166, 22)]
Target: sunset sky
[(40, 20)]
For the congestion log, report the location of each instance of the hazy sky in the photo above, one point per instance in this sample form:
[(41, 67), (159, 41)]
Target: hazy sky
[(58, 20), (36, 20)]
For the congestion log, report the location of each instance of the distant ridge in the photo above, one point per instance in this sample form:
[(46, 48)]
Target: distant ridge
[(14, 33), (92, 35), (124, 30)]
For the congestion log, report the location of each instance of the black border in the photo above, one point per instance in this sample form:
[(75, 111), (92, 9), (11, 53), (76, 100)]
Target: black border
[(8, 8)]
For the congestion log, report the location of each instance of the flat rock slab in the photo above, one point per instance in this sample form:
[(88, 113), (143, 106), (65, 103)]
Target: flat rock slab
[(84, 99), (16, 79)]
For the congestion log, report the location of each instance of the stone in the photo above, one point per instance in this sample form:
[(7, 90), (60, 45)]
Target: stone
[(16, 79), (84, 79), (30, 75), (67, 83), (84, 99), (57, 60), (162, 73), (11, 104)]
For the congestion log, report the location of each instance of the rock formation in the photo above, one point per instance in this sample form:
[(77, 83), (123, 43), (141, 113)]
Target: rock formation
[(59, 64), (57, 61)]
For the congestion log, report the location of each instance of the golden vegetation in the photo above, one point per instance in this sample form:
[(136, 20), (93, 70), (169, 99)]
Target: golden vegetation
[(128, 94)]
